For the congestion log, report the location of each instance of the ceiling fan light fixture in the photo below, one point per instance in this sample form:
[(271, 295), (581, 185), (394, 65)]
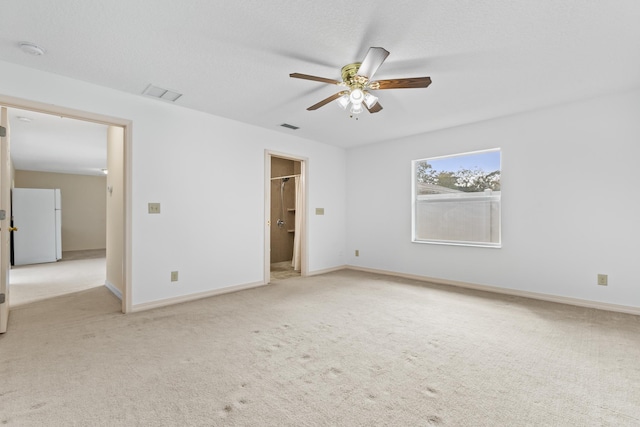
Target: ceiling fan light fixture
[(356, 108), (343, 101), (356, 96), (370, 100)]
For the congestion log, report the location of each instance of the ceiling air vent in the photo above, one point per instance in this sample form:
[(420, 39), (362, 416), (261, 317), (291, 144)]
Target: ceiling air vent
[(288, 126), (160, 93)]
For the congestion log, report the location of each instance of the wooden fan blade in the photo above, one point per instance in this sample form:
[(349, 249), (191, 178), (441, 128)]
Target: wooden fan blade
[(325, 101), (374, 59), (314, 78), (410, 83), (376, 107)]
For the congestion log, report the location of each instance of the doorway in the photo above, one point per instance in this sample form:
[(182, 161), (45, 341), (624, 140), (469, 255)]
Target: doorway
[(117, 236), (58, 163), (286, 217)]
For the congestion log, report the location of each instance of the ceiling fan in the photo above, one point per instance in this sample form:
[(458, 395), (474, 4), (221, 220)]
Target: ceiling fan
[(357, 79)]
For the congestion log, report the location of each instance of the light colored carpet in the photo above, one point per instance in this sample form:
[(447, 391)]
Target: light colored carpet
[(77, 271), (341, 349)]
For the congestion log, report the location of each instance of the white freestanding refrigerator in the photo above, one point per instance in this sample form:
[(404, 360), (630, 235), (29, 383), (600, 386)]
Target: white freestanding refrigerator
[(37, 215)]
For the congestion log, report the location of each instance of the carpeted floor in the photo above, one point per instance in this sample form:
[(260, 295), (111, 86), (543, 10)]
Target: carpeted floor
[(341, 349), (77, 271)]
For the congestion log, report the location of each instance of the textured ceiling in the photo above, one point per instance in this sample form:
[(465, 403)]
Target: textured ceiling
[(57, 144), (486, 58)]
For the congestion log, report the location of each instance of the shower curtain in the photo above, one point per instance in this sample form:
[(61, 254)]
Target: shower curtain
[(297, 242)]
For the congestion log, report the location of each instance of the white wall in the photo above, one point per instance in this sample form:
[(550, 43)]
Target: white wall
[(569, 197), (208, 174)]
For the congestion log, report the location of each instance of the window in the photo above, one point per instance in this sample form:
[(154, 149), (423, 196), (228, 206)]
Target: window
[(456, 199)]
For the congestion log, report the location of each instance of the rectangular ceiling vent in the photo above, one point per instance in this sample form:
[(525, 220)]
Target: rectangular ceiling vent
[(160, 93), (288, 126)]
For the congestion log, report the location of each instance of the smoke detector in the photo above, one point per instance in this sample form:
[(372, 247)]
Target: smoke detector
[(32, 49)]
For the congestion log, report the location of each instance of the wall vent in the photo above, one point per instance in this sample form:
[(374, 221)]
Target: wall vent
[(160, 93), (288, 126)]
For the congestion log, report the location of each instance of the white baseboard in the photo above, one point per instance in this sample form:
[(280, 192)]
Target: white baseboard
[(192, 297), (327, 270), (113, 289), (495, 289)]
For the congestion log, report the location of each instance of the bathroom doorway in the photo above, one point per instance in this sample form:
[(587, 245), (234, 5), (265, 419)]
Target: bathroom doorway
[(286, 218)]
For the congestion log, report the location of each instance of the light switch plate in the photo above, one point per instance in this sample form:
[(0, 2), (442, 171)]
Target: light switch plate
[(154, 208), (319, 211)]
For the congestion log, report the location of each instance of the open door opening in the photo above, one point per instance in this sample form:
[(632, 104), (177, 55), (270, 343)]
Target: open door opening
[(285, 209), (114, 253)]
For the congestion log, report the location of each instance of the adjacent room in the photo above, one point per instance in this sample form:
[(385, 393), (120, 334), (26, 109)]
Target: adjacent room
[(59, 193), (328, 214)]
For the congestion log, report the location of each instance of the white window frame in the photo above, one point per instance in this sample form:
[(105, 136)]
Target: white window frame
[(489, 197)]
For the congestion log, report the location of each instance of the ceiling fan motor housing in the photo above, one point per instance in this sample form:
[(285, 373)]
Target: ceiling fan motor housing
[(352, 80), (349, 71)]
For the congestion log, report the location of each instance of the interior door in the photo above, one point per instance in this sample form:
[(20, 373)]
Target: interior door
[(5, 219)]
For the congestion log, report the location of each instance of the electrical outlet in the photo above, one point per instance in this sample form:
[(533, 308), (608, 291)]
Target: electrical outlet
[(357, 252), (154, 208), (174, 276), (603, 279)]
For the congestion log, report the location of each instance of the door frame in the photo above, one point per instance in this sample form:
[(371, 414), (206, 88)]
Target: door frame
[(304, 166), (40, 107), (5, 223)]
